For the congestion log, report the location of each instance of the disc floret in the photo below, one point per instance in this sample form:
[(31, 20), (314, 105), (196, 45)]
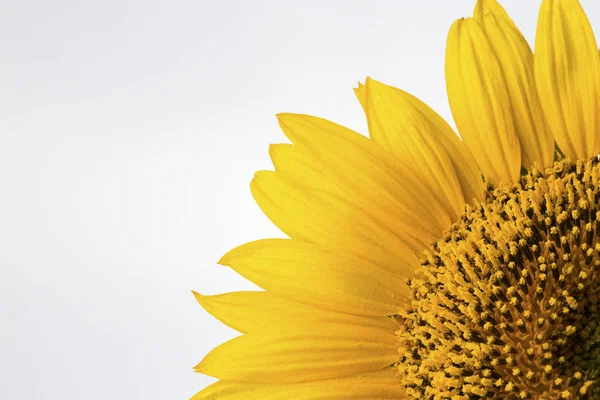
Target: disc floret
[(505, 305)]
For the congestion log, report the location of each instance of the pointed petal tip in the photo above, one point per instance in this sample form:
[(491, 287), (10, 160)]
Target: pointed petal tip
[(374, 84), (360, 92), (285, 116), (287, 120), (199, 368), (369, 82), (207, 365), (485, 7), (453, 35), (225, 260), (460, 22), (478, 9), (200, 298)]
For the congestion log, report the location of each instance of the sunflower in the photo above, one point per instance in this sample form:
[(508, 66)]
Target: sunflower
[(423, 266)]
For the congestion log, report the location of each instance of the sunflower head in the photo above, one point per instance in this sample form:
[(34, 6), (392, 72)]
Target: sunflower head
[(424, 265)]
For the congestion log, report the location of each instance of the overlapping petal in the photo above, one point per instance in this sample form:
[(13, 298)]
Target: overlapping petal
[(302, 355), (567, 72), (375, 178), (319, 276), (480, 103), (516, 63), (319, 215), (400, 127), (377, 385), (255, 311)]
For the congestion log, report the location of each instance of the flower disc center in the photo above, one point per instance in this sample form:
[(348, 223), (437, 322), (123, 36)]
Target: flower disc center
[(506, 304)]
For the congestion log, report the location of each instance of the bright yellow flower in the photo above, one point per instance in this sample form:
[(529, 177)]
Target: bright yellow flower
[(425, 267)]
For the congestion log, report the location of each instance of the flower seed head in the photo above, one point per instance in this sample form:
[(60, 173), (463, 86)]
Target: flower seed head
[(505, 306)]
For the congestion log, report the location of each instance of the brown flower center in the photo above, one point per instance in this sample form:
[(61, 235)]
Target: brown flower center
[(505, 306)]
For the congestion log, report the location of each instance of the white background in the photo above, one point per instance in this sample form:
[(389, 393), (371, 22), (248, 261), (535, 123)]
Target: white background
[(129, 133)]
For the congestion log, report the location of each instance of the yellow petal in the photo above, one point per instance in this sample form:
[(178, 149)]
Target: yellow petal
[(463, 162), (316, 214), (301, 168), (301, 355), (377, 385), (254, 311), (480, 102), (368, 172), (567, 72), (516, 61), (398, 126), (318, 276), (361, 95)]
